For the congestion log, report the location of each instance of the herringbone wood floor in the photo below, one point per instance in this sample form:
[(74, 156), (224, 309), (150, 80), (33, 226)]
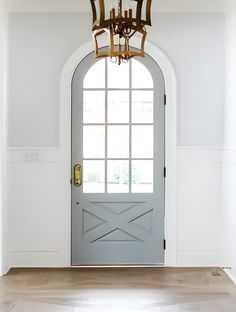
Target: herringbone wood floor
[(117, 289)]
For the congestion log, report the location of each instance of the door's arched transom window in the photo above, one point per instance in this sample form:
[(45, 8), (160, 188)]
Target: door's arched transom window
[(118, 128)]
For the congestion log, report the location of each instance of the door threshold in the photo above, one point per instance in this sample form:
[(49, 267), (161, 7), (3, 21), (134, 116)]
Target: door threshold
[(118, 266)]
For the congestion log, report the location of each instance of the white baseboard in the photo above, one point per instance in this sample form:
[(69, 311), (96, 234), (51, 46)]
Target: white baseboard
[(198, 258), (35, 259)]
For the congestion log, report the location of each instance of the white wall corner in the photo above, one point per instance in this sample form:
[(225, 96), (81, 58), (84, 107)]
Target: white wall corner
[(3, 104), (229, 153)]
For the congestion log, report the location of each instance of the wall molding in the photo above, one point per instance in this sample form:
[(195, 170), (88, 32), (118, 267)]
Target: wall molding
[(208, 148), (229, 157), (171, 132), (23, 148), (71, 6)]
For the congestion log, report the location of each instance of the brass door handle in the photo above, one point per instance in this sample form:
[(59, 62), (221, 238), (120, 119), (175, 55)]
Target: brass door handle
[(77, 175)]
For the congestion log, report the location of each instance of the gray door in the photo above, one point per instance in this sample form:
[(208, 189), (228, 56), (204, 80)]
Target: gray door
[(118, 147)]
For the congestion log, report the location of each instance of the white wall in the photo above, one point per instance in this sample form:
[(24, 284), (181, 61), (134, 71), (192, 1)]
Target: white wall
[(84, 5), (229, 159), (40, 45), (195, 45), (3, 77)]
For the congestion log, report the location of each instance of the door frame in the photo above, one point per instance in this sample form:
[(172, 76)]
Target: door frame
[(170, 140)]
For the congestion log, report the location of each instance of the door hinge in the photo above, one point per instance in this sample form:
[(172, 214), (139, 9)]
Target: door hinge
[(71, 181), (164, 244), (165, 99), (164, 172)]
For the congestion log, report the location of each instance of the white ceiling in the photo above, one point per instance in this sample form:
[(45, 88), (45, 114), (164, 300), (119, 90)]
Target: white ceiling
[(84, 5)]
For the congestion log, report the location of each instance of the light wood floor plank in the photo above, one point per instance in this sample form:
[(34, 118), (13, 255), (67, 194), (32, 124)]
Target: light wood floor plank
[(117, 290)]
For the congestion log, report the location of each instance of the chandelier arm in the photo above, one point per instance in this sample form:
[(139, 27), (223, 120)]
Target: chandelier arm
[(96, 35), (148, 12), (94, 11), (111, 46), (139, 11), (102, 12), (134, 32)]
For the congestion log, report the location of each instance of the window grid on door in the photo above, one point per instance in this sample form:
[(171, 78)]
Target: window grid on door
[(135, 172)]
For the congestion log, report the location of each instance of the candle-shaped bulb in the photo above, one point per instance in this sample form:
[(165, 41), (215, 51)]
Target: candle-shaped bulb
[(120, 8), (130, 13), (113, 13)]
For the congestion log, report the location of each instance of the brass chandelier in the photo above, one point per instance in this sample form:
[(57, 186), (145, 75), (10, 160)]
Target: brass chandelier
[(118, 22)]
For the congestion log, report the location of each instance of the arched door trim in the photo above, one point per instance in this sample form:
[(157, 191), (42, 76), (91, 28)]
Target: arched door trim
[(170, 140)]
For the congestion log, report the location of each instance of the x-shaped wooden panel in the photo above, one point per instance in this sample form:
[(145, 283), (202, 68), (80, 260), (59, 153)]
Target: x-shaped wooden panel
[(114, 221)]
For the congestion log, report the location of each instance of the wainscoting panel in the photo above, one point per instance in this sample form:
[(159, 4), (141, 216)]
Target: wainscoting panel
[(38, 209), (199, 206), (39, 212)]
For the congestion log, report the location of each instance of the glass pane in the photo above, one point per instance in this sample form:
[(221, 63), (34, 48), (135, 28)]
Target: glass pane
[(94, 107), (118, 141), (142, 176), (127, 4), (94, 142), (93, 176), (118, 176), (141, 77), (142, 106), (118, 76), (142, 141), (118, 107), (110, 4), (144, 9), (95, 77)]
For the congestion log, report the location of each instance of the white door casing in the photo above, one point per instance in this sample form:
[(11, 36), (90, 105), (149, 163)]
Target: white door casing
[(170, 139)]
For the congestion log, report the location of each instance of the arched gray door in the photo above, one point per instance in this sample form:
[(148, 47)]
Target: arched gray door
[(118, 127)]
